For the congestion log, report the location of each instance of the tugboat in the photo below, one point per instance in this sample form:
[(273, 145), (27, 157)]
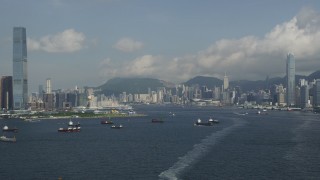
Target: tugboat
[(7, 129), (116, 126), (71, 127), (200, 123), (7, 139), (157, 121), (213, 120)]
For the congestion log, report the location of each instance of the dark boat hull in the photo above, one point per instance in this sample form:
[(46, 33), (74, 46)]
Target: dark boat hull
[(203, 124), (106, 122), (68, 130), (157, 121), (10, 130)]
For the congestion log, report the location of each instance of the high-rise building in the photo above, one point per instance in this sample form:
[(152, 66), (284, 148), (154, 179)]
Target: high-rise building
[(48, 91), (291, 72), (304, 94), (225, 82), (6, 99), (316, 94), (20, 75)]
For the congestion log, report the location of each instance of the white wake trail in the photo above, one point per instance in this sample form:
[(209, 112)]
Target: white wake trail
[(198, 151)]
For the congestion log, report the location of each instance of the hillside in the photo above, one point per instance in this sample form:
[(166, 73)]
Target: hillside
[(210, 82), (140, 85)]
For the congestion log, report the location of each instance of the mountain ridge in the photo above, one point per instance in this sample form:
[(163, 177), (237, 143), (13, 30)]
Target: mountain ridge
[(133, 85)]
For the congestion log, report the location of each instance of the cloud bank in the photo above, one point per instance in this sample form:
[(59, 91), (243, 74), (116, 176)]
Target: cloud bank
[(249, 57), (128, 45), (66, 41)]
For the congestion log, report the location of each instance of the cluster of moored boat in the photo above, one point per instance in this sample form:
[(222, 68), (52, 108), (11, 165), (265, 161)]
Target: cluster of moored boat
[(76, 127), (113, 126), (210, 122)]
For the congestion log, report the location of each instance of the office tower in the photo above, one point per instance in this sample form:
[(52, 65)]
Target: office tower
[(6, 98), (225, 82), (304, 94), (20, 75), (41, 91), (316, 94), (48, 86), (291, 72)]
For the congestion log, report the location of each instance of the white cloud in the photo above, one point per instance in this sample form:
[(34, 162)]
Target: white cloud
[(66, 41), (128, 45), (248, 57)]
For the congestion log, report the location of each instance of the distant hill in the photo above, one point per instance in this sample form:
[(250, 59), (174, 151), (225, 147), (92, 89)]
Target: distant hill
[(210, 82), (131, 85), (315, 75), (140, 85)]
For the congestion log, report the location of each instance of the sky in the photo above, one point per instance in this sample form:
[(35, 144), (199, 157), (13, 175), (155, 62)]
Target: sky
[(86, 43)]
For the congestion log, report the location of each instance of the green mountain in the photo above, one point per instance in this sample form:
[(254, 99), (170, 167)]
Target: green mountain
[(210, 82), (140, 85)]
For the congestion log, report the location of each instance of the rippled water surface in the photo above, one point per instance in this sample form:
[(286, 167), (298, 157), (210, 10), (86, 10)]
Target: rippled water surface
[(279, 145)]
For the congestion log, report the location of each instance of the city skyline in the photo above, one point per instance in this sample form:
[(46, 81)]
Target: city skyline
[(88, 43)]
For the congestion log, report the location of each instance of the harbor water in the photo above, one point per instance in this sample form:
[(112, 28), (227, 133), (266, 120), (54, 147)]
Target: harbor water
[(276, 145)]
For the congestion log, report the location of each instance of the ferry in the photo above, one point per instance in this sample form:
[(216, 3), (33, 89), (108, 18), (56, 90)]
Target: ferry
[(71, 127), (7, 129)]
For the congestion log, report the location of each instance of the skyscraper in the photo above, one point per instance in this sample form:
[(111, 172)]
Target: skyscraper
[(48, 86), (225, 82), (20, 75), (6, 92), (291, 72)]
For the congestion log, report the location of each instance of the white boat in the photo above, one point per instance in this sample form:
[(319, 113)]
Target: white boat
[(213, 120), (116, 127), (7, 139)]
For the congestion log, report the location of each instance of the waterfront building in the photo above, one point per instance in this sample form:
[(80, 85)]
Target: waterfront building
[(20, 75), (6, 96), (290, 72)]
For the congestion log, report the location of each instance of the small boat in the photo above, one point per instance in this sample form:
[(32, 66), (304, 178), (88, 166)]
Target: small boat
[(7, 139), (213, 120), (106, 122), (6, 128), (157, 121), (116, 126), (200, 123)]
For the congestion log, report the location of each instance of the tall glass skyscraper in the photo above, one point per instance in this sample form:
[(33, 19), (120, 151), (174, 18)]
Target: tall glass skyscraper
[(20, 74), (291, 72)]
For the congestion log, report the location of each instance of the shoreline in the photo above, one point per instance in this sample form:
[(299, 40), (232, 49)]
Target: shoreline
[(79, 117)]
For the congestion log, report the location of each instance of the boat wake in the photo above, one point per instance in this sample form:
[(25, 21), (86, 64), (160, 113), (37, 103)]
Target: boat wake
[(198, 151)]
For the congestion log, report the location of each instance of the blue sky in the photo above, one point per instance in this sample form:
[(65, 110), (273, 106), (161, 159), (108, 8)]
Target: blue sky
[(85, 43)]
